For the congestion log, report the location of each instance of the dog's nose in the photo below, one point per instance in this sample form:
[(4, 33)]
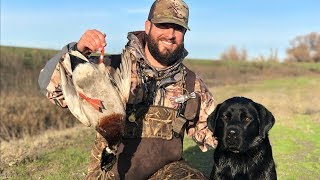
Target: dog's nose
[(233, 139), (232, 133)]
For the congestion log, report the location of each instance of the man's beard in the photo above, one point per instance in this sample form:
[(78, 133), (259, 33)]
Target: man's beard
[(168, 58)]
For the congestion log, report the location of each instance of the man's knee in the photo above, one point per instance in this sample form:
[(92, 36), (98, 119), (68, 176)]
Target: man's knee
[(178, 170)]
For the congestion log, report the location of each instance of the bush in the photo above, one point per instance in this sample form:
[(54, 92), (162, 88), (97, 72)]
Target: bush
[(305, 48)]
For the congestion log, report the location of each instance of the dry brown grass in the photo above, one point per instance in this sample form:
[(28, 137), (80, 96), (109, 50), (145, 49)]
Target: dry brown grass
[(296, 96), (221, 73), (25, 116)]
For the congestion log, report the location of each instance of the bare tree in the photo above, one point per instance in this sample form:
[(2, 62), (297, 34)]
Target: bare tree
[(305, 48), (273, 56), (232, 53)]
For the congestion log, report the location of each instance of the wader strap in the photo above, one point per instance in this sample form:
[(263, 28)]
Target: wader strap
[(177, 125), (192, 105), (190, 79), (191, 108)]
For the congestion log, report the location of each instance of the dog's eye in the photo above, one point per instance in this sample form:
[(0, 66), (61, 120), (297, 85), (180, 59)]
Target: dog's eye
[(225, 117), (247, 119)]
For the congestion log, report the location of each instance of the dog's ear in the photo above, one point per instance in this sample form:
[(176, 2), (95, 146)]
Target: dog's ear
[(266, 120), (212, 118)]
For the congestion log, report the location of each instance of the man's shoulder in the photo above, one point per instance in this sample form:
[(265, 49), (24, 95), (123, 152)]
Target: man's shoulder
[(190, 78), (193, 79), (190, 71)]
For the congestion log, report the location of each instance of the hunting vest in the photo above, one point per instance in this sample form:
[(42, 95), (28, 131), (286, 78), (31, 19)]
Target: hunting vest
[(154, 121), (147, 120)]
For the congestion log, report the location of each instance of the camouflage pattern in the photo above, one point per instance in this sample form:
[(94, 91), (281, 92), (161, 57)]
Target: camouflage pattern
[(175, 170), (178, 170), (94, 169), (156, 122), (170, 11), (54, 91), (197, 130)]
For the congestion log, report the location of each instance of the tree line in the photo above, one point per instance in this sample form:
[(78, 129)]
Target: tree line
[(303, 48), (20, 67)]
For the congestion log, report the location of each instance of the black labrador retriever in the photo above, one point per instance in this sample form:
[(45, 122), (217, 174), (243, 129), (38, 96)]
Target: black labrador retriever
[(244, 151)]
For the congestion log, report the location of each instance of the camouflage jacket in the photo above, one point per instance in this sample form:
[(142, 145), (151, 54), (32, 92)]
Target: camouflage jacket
[(49, 81)]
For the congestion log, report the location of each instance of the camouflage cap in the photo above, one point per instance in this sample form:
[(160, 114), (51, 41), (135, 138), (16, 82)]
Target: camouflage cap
[(170, 11)]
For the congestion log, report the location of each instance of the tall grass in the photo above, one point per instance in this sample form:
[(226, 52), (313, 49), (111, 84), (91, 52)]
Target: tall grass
[(24, 111), (30, 115), (221, 73), (19, 69)]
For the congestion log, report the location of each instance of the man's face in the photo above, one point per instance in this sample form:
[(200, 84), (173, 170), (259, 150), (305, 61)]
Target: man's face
[(165, 42)]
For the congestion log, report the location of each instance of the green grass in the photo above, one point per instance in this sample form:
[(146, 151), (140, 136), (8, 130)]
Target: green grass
[(295, 137), (62, 157), (60, 163), (296, 148), (311, 66), (197, 158), (287, 83)]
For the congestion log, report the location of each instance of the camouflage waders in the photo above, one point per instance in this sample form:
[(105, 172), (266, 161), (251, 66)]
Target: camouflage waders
[(175, 170), (94, 169), (138, 157)]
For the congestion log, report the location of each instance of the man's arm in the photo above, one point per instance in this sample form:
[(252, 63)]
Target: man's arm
[(200, 132), (47, 72), (49, 77)]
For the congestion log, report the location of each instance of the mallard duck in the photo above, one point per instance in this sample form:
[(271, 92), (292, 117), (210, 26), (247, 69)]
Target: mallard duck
[(96, 98)]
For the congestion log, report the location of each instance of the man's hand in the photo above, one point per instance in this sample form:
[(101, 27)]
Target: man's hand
[(91, 41)]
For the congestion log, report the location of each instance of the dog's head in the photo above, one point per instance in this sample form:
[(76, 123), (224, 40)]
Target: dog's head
[(239, 124)]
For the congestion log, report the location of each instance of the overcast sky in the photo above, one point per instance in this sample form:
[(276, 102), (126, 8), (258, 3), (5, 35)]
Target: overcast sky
[(256, 25)]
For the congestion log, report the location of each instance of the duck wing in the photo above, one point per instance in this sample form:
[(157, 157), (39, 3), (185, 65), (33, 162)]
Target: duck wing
[(122, 77)]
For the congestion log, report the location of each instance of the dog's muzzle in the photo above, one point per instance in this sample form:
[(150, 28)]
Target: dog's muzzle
[(233, 140)]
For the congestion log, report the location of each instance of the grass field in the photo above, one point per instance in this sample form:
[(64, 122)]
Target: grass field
[(295, 138)]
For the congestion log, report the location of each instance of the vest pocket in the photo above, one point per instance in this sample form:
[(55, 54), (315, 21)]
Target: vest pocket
[(150, 122)]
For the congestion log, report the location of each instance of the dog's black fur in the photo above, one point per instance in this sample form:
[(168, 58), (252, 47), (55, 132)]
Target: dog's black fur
[(244, 151)]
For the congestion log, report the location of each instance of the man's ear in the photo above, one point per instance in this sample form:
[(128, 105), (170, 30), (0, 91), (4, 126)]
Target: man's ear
[(147, 26), (212, 119), (266, 120)]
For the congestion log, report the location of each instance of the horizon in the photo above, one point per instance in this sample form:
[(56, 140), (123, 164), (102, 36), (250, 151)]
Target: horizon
[(257, 27)]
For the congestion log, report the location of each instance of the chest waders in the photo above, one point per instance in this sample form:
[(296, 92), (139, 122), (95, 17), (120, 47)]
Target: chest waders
[(148, 129), (153, 121)]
